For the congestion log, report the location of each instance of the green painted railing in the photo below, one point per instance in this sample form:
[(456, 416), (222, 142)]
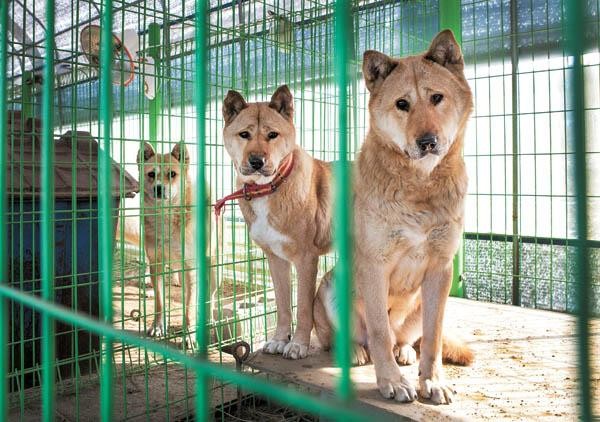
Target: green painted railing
[(341, 407), (3, 240)]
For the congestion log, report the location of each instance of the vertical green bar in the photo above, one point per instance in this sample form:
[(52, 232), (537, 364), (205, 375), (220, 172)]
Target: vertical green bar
[(201, 59), (104, 207), (155, 106), (27, 95), (343, 191), (516, 250), (47, 217), (575, 41), (3, 257), (450, 17)]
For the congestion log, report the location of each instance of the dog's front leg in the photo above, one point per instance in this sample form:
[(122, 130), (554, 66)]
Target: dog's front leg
[(306, 268), (373, 288), (191, 307), (434, 291), (280, 274), (157, 328)]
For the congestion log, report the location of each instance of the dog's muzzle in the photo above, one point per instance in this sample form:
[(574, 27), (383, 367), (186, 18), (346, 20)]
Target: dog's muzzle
[(158, 191), (427, 143)]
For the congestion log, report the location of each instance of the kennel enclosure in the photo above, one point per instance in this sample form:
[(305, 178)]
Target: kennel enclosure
[(157, 71)]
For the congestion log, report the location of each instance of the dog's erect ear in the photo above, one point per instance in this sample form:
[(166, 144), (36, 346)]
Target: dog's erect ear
[(233, 104), (376, 67), (445, 51), (146, 153), (180, 153), (283, 102)]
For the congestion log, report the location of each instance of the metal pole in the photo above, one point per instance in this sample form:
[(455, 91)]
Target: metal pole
[(575, 16), (3, 208), (155, 107), (450, 17), (343, 191), (201, 62), (104, 207), (516, 244), (47, 217)]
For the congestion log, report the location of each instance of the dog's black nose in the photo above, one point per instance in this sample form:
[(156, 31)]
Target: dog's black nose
[(256, 161), (158, 191), (427, 142)]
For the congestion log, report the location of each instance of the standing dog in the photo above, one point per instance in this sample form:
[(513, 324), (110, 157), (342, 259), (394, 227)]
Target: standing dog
[(286, 202), (168, 228), (409, 191)]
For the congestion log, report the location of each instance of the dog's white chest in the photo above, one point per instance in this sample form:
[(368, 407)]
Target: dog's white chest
[(264, 233)]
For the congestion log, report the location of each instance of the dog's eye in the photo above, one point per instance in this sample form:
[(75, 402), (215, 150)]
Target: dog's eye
[(436, 99), (151, 175), (172, 174), (402, 104), (272, 135), (245, 135)]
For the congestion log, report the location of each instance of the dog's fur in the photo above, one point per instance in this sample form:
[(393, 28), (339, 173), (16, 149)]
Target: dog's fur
[(291, 225), (168, 228), (408, 210)]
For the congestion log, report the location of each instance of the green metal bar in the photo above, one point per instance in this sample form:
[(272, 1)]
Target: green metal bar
[(328, 407), (27, 95), (343, 195), (155, 105), (47, 217), (450, 16), (104, 208), (3, 209), (516, 245), (575, 14), (201, 61)]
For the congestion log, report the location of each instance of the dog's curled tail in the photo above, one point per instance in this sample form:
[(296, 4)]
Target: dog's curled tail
[(456, 352)]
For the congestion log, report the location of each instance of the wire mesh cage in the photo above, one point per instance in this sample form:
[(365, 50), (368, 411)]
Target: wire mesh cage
[(101, 101)]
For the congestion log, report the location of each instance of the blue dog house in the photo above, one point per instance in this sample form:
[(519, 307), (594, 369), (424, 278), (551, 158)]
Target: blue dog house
[(75, 246)]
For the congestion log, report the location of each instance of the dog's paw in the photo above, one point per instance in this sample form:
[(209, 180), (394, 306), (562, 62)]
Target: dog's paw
[(398, 388), (438, 392), (156, 330), (294, 350), (360, 355), (274, 346), (405, 354), (189, 342)]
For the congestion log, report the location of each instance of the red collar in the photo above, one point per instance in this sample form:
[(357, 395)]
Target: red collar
[(252, 190)]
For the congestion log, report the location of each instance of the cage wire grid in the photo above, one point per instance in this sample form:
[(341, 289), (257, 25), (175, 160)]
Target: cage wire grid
[(521, 236)]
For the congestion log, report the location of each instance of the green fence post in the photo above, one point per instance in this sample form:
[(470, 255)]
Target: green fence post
[(155, 105), (342, 212), (104, 207), (3, 258), (47, 217), (201, 62), (450, 17), (516, 244), (575, 41), (27, 95)]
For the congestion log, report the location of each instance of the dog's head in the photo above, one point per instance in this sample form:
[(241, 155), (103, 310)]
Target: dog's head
[(258, 136), (163, 174), (419, 104)]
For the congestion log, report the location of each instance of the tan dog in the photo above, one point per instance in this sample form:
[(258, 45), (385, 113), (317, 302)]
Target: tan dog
[(293, 224), (410, 186), (168, 228)]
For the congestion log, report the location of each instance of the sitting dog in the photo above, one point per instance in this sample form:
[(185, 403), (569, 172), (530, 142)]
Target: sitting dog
[(285, 198), (168, 229), (409, 192)]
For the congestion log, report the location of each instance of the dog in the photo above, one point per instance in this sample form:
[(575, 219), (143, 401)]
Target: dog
[(285, 199), (168, 229), (409, 191)]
